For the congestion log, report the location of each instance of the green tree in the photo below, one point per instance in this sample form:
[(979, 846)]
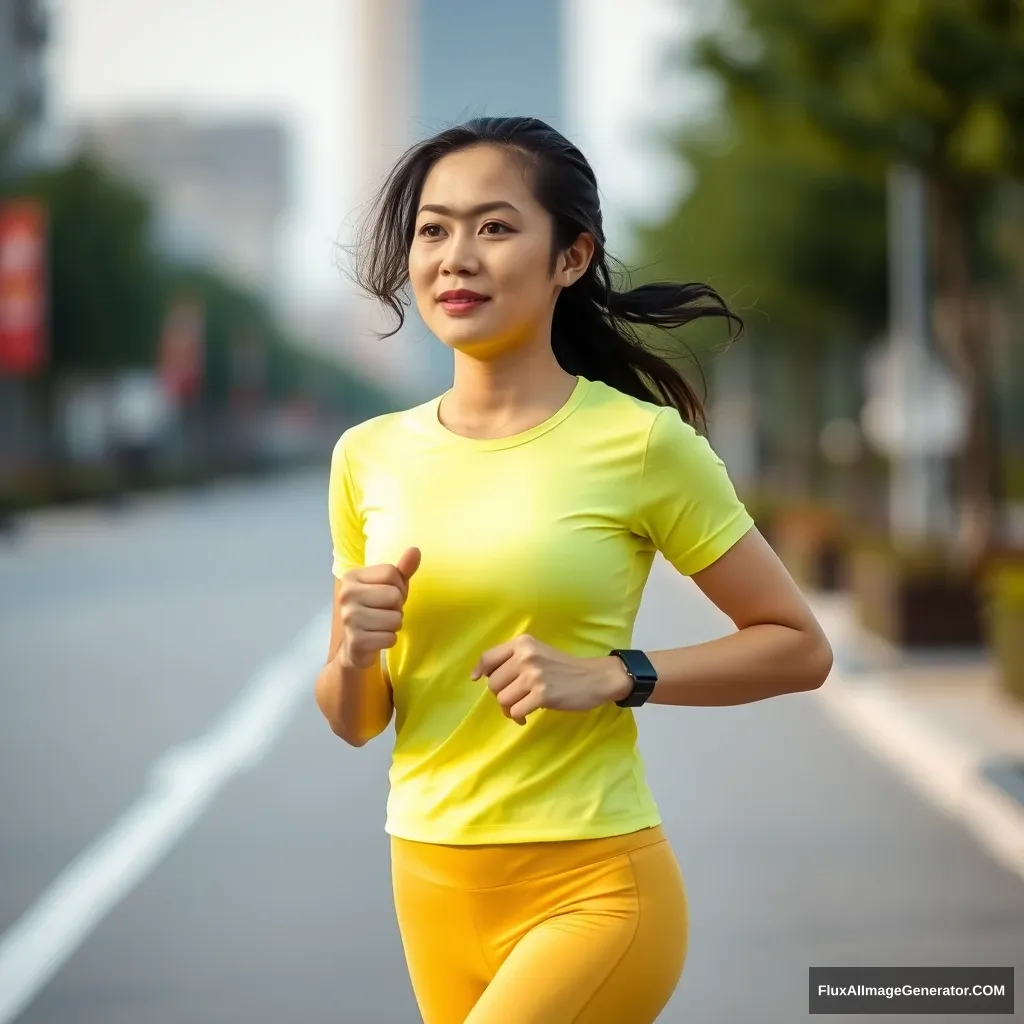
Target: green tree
[(935, 83), (791, 230), (232, 314), (8, 139), (782, 225)]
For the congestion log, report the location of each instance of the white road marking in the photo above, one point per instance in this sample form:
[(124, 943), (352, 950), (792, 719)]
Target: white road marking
[(180, 787), (945, 771), (940, 769)]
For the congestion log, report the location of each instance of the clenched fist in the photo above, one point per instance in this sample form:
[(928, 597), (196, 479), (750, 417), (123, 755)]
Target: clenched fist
[(371, 605), (526, 675)]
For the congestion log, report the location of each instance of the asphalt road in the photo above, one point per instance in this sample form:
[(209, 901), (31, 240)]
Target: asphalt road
[(249, 880)]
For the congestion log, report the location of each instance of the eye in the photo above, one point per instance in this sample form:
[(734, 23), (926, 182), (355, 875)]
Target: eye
[(502, 228), (430, 231)]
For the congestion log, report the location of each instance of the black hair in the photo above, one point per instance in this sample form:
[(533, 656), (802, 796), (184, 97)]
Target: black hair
[(593, 331)]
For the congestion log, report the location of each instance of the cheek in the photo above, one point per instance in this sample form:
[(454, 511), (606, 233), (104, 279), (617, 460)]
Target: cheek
[(421, 273), (523, 275)]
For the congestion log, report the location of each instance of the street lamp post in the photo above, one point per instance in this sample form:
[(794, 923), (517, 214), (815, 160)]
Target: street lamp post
[(911, 484), (915, 413)]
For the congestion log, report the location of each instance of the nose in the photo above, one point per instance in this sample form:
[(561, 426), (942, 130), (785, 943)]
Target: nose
[(459, 258)]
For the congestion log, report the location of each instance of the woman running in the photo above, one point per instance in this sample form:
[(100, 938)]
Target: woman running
[(490, 550)]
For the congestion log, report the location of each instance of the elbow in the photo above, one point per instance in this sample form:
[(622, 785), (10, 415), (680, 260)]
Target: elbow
[(818, 662), (349, 738), (356, 722), (352, 736), (335, 721), (343, 730)]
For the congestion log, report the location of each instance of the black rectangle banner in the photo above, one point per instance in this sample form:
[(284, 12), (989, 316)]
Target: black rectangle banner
[(911, 990)]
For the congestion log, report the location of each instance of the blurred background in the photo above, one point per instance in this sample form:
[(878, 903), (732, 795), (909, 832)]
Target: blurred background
[(175, 296), (178, 182)]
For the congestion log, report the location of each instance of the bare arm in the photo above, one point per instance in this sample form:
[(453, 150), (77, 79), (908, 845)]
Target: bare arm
[(778, 647), (357, 703)]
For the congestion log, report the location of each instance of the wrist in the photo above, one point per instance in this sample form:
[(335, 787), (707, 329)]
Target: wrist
[(348, 662), (616, 682)]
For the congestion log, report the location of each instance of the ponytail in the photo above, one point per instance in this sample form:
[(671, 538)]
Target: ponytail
[(594, 335)]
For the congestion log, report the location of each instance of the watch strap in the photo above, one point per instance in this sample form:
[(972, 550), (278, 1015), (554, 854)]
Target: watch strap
[(642, 673)]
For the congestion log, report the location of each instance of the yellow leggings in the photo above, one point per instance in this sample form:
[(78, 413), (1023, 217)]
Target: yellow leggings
[(589, 931)]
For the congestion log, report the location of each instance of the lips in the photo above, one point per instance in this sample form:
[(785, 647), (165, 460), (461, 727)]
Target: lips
[(461, 301)]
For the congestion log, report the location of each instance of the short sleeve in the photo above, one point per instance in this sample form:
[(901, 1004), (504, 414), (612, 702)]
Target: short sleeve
[(687, 505), (343, 514)]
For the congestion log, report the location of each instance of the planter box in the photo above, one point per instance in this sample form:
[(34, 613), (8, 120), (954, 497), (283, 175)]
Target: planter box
[(1005, 624), (1006, 636), (915, 605)]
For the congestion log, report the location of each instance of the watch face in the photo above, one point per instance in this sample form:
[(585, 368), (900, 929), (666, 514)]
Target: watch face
[(639, 666)]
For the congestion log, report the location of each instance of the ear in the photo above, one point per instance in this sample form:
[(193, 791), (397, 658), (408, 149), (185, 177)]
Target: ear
[(573, 262)]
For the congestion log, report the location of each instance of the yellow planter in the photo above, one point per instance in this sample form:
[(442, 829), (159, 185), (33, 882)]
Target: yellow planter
[(1005, 623), (914, 601)]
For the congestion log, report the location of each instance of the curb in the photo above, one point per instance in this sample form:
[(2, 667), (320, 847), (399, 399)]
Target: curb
[(961, 781)]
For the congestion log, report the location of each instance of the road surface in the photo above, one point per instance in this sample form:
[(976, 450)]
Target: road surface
[(182, 840)]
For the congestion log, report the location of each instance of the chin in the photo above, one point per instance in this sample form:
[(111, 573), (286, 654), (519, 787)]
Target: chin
[(465, 337)]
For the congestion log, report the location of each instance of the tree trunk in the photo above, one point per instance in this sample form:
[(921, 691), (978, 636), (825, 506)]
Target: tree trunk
[(962, 330)]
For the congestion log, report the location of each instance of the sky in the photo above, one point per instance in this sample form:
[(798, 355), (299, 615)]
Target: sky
[(618, 94), (224, 57)]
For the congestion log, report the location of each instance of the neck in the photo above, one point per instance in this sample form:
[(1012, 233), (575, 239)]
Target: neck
[(519, 384)]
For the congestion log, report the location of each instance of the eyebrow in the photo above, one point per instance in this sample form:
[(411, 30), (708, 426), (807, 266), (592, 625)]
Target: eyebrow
[(473, 211)]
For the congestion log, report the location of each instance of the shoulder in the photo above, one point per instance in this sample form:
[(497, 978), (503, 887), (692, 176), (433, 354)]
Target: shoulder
[(382, 433), (614, 410), (372, 447), (671, 454), (604, 397), (656, 430)]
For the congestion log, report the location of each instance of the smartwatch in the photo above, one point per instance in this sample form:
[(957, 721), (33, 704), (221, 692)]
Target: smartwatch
[(644, 676)]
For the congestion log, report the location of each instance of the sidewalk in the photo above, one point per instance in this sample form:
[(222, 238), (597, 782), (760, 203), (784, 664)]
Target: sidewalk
[(939, 719)]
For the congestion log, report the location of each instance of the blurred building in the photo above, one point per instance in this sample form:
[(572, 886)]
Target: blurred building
[(383, 54), (219, 188), (477, 59), (24, 34)]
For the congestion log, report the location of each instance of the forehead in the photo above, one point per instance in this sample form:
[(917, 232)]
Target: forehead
[(479, 174)]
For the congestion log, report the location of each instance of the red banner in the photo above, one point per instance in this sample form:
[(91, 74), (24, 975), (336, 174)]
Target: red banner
[(182, 350), (23, 347)]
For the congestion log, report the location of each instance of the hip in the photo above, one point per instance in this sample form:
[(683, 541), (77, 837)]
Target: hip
[(493, 865)]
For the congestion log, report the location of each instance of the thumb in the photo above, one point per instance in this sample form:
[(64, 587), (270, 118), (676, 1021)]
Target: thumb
[(409, 563)]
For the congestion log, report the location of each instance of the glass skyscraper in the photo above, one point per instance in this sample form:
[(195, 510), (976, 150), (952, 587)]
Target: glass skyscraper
[(478, 58)]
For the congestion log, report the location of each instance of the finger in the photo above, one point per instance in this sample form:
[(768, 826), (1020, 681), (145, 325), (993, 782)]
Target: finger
[(378, 595), (505, 676), (371, 620), (511, 694), (376, 641), (521, 709), (408, 563), (491, 659), (381, 574)]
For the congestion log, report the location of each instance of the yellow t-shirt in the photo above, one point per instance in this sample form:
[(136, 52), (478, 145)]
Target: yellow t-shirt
[(550, 532)]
